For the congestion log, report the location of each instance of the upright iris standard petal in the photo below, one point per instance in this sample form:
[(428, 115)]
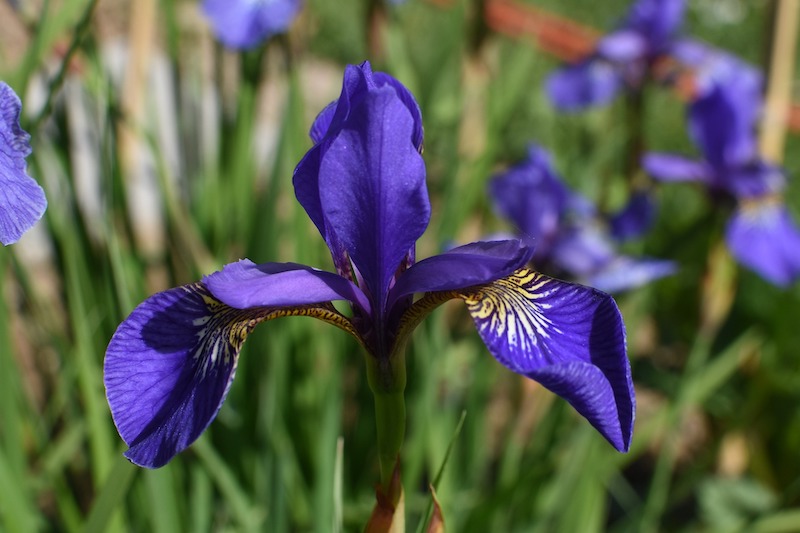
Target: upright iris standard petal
[(372, 188), (168, 369), (359, 81), (762, 236), (22, 200), (568, 337), (247, 23), (657, 21), (723, 128), (321, 124), (405, 96)]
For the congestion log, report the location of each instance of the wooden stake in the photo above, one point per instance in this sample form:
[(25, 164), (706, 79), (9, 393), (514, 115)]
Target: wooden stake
[(779, 85)]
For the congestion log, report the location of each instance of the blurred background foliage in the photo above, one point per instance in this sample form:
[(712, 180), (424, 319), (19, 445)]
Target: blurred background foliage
[(159, 175)]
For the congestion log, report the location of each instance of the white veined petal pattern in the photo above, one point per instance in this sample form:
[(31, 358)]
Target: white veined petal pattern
[(170, 364), (568, 337)]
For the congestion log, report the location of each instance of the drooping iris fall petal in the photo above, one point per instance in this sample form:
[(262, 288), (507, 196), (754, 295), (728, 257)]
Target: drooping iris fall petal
[(763, 237), (168, 369), (568, 337), (22, 200)]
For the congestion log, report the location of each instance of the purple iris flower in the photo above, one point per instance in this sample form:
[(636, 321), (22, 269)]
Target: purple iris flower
[(565, 228), (622, 58), (170, 364), (243, 24), (22, 200), (722, 120)]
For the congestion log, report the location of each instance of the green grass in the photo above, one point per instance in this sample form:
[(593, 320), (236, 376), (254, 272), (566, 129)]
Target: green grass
[(713, 348)]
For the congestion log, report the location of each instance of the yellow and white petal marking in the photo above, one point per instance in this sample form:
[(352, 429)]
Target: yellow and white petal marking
[(225, 328), (529, 320), (511, 315), (568, 337), (514, 307), (170, 364)]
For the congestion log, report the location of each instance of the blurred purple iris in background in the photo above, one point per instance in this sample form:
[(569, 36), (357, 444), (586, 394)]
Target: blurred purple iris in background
[(244, 24), (22, 200), (170, 364), (635, 218), (622, 58), (722, 121), (566, 230)]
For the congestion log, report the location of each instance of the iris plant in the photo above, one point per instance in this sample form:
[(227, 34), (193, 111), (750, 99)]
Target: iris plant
[(170, 364), (22, 200), (621, 60), (569, 236), (244, 24), (722, 120)]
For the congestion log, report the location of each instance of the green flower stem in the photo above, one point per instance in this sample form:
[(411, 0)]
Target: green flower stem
[(387, 379)]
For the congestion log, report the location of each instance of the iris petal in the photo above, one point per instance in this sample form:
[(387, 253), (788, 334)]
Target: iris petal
[(472, 264), (623, 45), (582, 249), (170, 364), (359, 81), (321, 124), (590, 83), (22, 200), (168, 369), (657, 21), (721, 123), (372, 188), (533, 197), (625, 273), (244, 23), (405, 96), (763, 238), (669, 167), (245, 284), (568, 337)]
